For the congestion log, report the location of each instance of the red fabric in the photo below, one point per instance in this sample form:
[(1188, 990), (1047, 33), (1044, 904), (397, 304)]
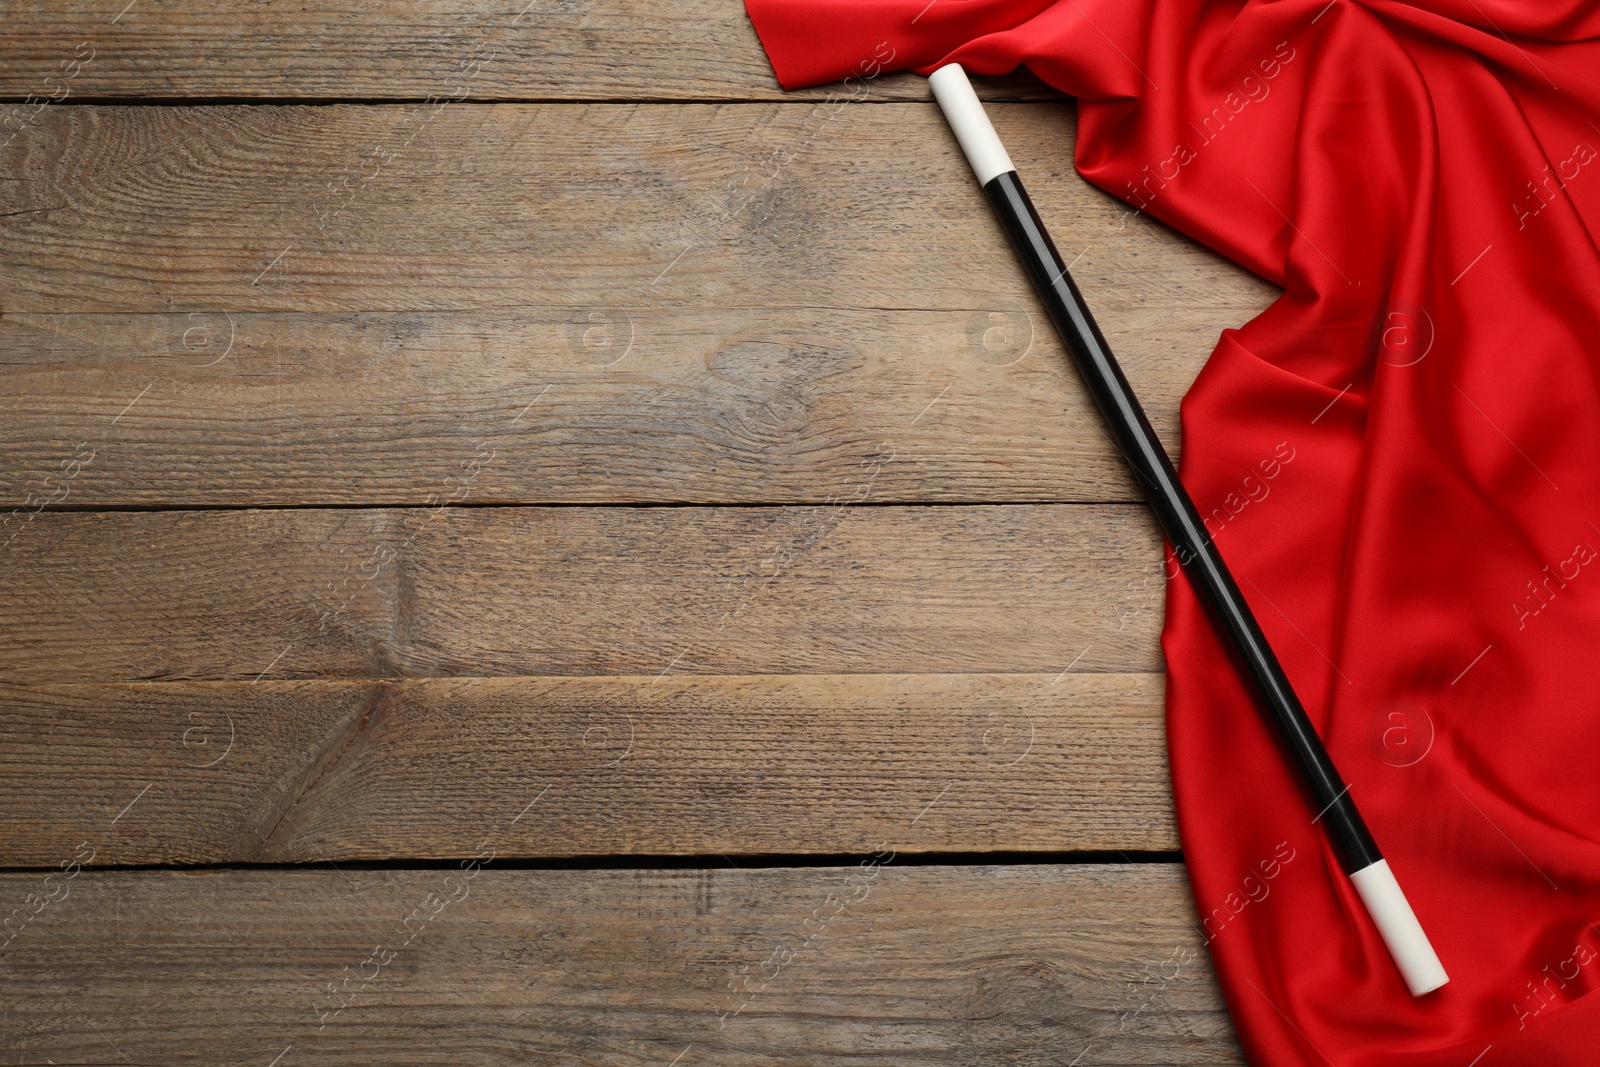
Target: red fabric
[(1404, 462)]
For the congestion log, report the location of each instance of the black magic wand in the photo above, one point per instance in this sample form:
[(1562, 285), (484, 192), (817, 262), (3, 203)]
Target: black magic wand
[(1195, 552)]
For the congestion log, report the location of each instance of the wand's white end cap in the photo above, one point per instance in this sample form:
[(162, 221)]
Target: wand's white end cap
[(970, 124), (1397, 924)]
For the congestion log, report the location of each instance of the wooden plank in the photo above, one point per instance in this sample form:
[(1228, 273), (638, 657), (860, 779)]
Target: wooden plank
[(372, 770), (112, 596), (679, 404), (589, 207), (830, 966), (183, 773), (264, 49)]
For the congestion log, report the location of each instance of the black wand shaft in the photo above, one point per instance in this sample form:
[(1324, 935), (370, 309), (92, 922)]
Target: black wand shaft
[(1192, 546)]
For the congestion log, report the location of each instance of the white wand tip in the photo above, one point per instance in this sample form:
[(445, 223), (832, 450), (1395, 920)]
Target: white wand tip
[(970, 124), (1397, 924)]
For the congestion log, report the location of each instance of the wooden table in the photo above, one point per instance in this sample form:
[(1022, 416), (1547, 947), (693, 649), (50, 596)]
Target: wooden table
[(525, 543)]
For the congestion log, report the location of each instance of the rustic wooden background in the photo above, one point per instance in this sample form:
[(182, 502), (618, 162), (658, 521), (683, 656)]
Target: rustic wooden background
[(525, 543)]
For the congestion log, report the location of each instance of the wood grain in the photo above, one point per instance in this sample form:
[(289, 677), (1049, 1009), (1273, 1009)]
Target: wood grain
[(833, 966), (187, 773), (113, 596), (664, 404), (312, 772), (589, 207), (273, 49)]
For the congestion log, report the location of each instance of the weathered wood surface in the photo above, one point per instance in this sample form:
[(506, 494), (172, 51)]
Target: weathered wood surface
[(588, 297), (589, 207), (277, 49), (691, 405), (319, 771), (832, 966), (219, 595)]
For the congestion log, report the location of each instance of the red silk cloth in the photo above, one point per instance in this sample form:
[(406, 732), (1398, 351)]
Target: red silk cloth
[(1400, 459)]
